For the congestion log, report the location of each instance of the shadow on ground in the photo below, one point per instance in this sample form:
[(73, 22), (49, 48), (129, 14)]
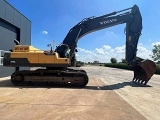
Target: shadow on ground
[(8, 83), (116, 86)]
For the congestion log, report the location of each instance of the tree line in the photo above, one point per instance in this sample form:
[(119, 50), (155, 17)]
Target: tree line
[(155, 55)]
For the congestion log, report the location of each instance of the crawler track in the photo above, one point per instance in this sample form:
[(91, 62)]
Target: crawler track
[(68, 77)]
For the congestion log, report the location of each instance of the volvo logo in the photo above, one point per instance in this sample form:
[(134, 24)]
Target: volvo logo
[(108, 21)]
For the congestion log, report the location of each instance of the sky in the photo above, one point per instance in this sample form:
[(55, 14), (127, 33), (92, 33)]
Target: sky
[(52, 19)]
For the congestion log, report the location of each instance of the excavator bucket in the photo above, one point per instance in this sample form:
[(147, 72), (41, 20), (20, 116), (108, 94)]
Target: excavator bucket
[(143, 71)]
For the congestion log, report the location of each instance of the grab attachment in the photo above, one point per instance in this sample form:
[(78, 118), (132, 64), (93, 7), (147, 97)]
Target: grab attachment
[(143, 71)]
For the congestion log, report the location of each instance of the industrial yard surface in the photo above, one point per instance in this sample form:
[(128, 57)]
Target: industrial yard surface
[(109, 95)]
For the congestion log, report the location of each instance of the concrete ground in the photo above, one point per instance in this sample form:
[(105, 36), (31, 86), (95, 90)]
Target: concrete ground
[(109, 95)]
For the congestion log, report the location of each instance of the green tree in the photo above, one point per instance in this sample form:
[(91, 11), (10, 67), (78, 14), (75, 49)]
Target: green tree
[(156, 52), (113, 60), (123, 60)]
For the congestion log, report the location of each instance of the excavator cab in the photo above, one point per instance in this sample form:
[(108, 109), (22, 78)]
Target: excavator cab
[(143, 71)]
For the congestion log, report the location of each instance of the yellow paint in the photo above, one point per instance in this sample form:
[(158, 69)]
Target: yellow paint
[(40, 57), (32, 57), (18, 55), (26, 48), (46, 58)]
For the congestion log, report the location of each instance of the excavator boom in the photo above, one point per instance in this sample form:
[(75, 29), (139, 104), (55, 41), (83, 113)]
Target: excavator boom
[(130, 16)]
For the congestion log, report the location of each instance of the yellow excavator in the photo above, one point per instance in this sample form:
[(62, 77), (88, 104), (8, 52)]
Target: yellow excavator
[(57, 62)]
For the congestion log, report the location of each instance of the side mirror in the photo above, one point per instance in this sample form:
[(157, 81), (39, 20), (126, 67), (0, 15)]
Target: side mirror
[(49, 45)]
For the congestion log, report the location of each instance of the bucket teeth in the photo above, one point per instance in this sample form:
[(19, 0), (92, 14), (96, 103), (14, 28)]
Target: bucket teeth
[(139, 81), (143, 71)]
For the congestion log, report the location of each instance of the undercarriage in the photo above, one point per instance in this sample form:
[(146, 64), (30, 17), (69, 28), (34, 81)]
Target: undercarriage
[(67, 77)]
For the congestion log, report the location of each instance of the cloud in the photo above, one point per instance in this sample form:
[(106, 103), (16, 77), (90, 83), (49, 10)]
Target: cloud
[(100, 51), (106, 47), (44, 32), (156, 43), (105, 53), (120, 50)]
